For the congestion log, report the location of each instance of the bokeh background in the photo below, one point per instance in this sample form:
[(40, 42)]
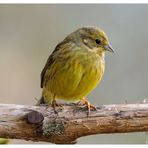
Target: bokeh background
[(29, 33)]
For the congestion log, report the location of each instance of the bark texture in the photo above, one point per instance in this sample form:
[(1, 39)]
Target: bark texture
[(39, 123)]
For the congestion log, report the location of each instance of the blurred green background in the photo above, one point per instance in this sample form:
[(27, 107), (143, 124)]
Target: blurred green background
[(29, 33)]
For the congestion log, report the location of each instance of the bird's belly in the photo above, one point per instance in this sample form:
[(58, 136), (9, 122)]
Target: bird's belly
[(74, 81), (74, 85), (88, 82)]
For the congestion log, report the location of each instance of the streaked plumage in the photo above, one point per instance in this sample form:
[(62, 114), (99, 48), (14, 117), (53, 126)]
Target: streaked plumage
[(76, 66)]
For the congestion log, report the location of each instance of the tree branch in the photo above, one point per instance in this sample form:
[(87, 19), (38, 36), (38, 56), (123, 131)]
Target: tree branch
[(39, 123)]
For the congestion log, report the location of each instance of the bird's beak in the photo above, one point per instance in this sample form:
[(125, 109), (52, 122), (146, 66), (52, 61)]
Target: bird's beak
[(109, 48)]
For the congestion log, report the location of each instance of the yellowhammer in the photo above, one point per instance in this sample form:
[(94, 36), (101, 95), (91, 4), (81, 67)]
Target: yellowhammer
[(75, 67)]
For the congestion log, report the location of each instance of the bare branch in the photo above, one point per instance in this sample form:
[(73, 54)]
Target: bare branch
[(39, 123)]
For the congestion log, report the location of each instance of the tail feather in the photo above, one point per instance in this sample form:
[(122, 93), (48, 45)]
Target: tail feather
[(41, 101)]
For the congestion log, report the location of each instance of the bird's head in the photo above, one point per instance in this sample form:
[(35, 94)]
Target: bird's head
[(93, 38)]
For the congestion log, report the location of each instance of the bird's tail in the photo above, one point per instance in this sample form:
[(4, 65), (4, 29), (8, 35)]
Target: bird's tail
[(41, 101)]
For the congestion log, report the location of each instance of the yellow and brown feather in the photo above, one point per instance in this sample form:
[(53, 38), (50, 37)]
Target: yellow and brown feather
[(75, 67)]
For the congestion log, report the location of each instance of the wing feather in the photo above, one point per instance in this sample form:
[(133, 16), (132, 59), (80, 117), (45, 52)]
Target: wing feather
[(63, 45)]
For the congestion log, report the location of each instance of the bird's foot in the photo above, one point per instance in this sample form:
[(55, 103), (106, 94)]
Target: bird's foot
[(55, 104), (89, 106)]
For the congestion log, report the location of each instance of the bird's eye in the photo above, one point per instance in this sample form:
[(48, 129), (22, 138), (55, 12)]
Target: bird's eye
[(98, 41)]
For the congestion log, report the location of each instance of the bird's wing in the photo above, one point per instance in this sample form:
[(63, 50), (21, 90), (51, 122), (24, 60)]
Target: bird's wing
[(48, 63), (63, 45)]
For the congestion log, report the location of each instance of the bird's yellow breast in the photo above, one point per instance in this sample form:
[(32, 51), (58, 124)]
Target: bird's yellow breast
[(74, 78)]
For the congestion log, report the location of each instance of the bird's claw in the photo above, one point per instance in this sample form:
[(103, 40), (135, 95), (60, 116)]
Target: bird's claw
[(89, 106), (54, 105)]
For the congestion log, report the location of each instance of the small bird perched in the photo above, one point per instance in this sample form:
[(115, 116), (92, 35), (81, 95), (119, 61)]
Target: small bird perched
[(75, 67)]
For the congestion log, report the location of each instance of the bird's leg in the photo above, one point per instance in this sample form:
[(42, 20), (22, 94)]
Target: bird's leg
[(55, 104), (84, 101), (89, 106)]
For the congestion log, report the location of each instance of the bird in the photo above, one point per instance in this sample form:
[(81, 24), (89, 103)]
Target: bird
[(75, 67)]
